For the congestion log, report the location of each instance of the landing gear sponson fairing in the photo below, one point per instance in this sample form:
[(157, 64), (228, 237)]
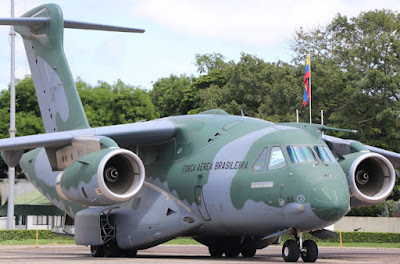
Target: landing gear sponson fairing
[(233, 183)]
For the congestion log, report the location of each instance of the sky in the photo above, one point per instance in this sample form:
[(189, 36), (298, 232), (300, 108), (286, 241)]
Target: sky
[(176, 30)]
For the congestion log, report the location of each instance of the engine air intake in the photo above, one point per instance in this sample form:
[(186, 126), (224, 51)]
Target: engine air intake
[(104, 177)]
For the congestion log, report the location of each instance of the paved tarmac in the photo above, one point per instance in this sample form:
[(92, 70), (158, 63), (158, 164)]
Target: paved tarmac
[(187, 254)]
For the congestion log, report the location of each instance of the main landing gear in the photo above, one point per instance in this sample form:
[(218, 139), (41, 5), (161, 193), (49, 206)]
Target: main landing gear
[(292, 250), (111, 249), (231, 253)]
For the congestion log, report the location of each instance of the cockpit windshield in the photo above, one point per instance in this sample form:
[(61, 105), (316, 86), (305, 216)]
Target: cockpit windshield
[(260, 162), (325, 154), (276, 159), (299, 154)]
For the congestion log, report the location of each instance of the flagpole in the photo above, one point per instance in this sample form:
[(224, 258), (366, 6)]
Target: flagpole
[(309, 55), (12, 130)]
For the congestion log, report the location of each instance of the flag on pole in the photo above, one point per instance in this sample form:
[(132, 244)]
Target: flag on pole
[(307, 82)]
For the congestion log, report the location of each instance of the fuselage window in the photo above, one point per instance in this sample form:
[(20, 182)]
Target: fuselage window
[(276, 159), (299, 154), (260, 162), (325, 154)]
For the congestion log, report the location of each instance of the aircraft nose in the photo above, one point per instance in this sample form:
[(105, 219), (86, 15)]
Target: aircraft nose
[(330, 199)]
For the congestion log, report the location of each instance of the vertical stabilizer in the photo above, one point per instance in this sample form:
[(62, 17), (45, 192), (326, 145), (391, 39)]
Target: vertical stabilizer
[(59, 101)]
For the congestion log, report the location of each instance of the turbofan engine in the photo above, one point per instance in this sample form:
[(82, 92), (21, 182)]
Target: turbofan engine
[(371, 177), (104, 177)]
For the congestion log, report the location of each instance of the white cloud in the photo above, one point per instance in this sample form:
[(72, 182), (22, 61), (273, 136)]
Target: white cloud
[(253, 22), (175, 31)]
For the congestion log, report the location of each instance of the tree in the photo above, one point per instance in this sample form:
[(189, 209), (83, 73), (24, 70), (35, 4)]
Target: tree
[(27, 120), (260, 89), (355, 74), (168, 95), (207, 62), (132, 104), (119, 103)]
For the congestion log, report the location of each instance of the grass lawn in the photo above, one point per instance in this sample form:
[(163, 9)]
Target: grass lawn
[(41, 242), (368, 245)]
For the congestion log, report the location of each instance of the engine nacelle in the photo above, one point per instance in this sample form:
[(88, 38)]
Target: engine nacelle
[(104, 177), (371, 177)]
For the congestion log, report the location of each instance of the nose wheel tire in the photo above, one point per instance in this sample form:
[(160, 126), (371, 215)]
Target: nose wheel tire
[(310, 251), (290, 251)]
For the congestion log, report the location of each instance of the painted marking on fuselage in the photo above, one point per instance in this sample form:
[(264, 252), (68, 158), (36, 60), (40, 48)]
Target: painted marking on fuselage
[(56, 98), (300, 198), (218, 165), (219, 181), (256, 185)]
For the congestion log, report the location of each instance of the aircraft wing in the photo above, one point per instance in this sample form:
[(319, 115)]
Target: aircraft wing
[(342, 146), (136, 133)]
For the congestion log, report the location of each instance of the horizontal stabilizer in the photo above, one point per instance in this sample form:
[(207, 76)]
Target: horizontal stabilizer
[(41, 21), (25, 21), (92, 26), (42, 30)]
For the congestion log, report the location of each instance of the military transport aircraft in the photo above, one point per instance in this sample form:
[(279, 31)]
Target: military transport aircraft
[(233, 183)]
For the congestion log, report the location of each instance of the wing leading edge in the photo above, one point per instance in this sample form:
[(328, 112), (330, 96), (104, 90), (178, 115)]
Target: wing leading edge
[(342, 146), (150, 132)]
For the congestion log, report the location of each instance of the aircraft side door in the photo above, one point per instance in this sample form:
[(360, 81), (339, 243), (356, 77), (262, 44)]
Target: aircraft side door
[(198, 192)]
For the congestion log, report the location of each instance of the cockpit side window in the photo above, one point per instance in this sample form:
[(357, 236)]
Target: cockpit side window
[(276, 159), (260, 162), (325, 154), (300, 154)]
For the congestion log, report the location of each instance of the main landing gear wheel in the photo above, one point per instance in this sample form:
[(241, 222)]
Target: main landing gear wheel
[(111, 249), (97, 251), (232, 253), (129, 253), (309, 252), (290, 251), (215, 252), (248, 253)]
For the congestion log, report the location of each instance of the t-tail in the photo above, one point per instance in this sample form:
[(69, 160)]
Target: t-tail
[(42, 30)]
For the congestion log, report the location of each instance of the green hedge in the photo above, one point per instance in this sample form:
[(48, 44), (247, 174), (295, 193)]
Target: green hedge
[(348, 237), (29, 234), (356, 237)]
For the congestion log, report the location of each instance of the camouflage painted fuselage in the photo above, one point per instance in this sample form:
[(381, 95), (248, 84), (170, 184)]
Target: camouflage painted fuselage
[(209, 165)]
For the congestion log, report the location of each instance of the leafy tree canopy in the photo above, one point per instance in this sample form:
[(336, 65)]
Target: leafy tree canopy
[(355, 74)]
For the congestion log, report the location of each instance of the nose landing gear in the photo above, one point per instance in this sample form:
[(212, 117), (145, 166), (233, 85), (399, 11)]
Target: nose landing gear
[(290, 251), (293, 249)]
